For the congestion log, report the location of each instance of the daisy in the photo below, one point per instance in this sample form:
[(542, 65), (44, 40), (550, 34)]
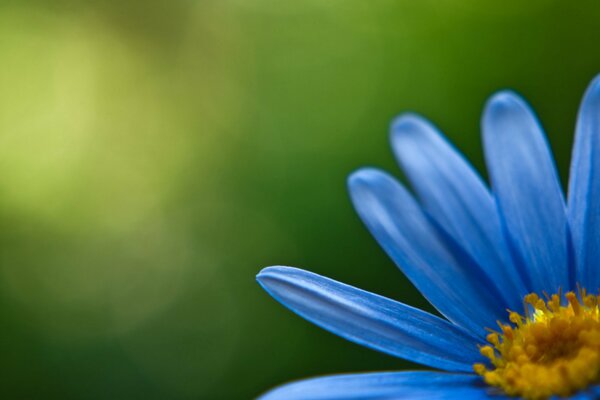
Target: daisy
[(513, 270)]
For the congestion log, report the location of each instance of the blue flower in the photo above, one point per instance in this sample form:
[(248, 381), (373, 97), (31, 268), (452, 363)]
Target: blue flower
[(473, 253)]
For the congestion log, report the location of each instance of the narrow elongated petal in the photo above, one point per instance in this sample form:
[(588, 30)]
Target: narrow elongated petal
[(451, 281), (584, 189), (528, 191), (385, 385), (455, 196), (371, 320)]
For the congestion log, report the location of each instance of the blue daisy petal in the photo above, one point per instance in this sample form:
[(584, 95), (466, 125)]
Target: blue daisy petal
[(584, 189), (528, 191), (591, 393), (471, 254), (384, 385), (452, 282), (456, 197), (371, 320)]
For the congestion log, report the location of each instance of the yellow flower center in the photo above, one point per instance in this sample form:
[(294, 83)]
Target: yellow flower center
[(553, 350)]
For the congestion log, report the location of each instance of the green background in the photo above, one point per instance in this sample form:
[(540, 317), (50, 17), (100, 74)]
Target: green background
[(155, 155)]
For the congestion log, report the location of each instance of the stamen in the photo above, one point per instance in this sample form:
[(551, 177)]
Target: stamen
[(553, 350)]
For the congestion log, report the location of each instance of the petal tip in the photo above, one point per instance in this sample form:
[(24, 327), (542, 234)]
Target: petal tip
[(502, 102), (263, 272), (408, 128), (505, 107), (595, 82), (592, 93), (407, 122), (363, 176), (269, 273)]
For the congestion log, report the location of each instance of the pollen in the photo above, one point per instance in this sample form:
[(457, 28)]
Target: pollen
[(552, 349)]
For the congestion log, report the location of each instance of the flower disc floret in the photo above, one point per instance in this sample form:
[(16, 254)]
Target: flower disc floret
[(551, 350)]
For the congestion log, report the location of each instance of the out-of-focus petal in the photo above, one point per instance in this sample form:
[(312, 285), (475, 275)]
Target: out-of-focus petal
[(385, 385), (591, 393)]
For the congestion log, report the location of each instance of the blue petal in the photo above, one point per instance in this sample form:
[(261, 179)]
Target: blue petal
[(584, 190), (455, 196), (448, 279), (371, 320), (384, 385), (591, 393), (528, 191)]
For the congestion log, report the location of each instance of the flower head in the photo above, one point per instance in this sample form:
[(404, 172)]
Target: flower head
[(514, 270)]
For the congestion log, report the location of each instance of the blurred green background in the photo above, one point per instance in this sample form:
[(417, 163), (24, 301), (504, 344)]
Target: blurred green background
[(155, 155)]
